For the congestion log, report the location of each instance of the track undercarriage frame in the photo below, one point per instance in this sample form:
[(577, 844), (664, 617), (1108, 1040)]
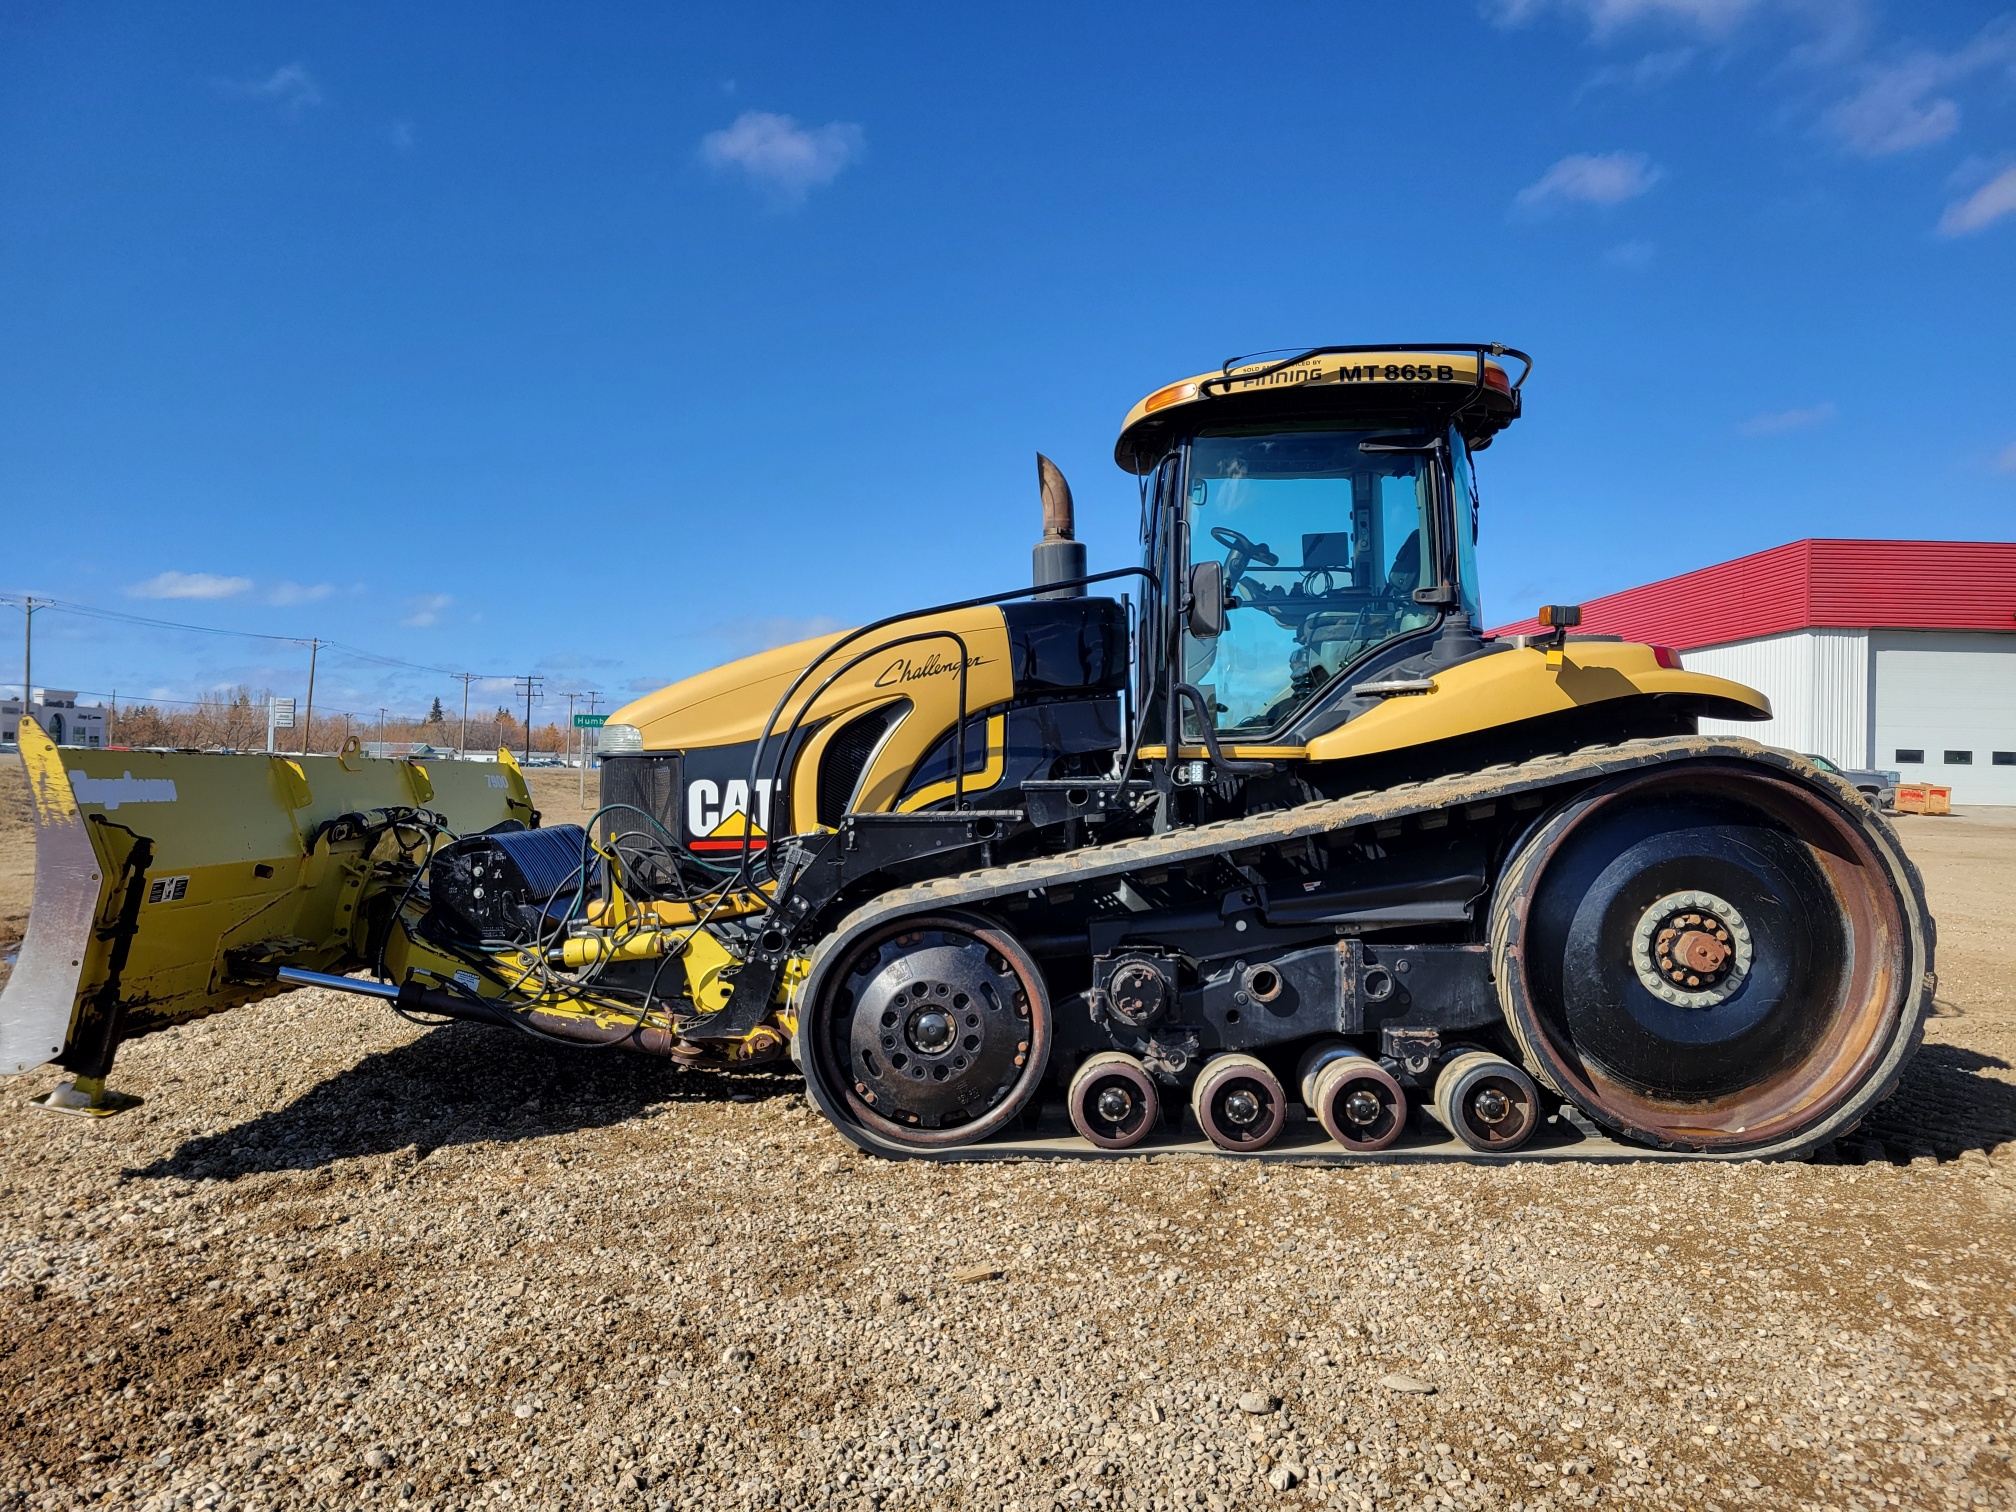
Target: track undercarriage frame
[(1877, 1018)]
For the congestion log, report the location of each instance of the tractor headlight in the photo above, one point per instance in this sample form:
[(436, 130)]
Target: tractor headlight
[(619, 740)]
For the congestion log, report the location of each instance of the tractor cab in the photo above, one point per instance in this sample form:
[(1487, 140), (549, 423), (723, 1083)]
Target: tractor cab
[(1318, 513)]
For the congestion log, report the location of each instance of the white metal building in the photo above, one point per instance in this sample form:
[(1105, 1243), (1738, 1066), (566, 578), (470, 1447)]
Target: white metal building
[(1893, 655), (62, 718)]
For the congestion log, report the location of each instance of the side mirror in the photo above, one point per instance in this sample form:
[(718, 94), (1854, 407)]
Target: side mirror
[(1206, 609)]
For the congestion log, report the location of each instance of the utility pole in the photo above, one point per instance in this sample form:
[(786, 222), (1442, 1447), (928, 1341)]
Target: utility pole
[(462, 739), (27, 656), (570, 697), (308, 718), (591, 695), (528, 685), (382, 751)]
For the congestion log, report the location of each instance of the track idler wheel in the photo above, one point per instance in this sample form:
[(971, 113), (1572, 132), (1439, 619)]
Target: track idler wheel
[(1714, 956), (1239, 1103), (1354, 1097), (1113, 1101), (934, 1031), (1486, 1101)]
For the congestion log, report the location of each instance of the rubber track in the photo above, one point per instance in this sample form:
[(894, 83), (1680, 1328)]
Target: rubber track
[(1505, 780)]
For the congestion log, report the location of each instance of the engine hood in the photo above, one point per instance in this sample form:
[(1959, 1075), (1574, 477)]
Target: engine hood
[(724, 705)]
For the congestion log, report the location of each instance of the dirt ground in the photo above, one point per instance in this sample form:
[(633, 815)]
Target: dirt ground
[(338, 1260)]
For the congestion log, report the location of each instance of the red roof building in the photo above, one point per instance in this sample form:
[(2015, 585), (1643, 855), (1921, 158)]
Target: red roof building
[(1816, 584), (1897, 656)]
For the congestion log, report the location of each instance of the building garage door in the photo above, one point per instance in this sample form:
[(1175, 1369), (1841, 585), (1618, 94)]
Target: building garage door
[(1949, 699)]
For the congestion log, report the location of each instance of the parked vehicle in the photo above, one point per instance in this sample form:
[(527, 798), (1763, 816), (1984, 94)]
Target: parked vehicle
[(1880, 788)]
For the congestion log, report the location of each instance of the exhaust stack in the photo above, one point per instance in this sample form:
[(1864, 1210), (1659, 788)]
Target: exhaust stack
[(1059, 556)]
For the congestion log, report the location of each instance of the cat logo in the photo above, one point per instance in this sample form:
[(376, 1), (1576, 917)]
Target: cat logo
[(717, 821), (726, 838)]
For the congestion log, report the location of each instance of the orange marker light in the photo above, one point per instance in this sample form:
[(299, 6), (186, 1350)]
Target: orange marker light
[(1176, 393)]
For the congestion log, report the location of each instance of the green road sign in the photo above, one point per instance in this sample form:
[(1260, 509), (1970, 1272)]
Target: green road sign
[(590, 721)]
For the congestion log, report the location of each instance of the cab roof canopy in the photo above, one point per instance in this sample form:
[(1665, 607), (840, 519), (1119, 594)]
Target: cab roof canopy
[(1400, 385)]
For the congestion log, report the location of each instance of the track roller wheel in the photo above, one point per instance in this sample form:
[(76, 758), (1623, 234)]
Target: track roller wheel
[(1113, 1101), (1714, 956), (1486, 1101), (933, 1031), (1239, 1103), (1354, 1097)]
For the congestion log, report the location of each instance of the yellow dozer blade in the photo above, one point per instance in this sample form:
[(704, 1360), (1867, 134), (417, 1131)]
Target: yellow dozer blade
[(159, 875)]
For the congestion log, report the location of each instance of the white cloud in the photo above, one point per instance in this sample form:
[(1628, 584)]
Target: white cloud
[(1631, 254), (781, 157), (646, 684), (2006, 460), (1607, 178), (291, 88), (284, 593), (575, 662), (1875, 99), (1713, 17), (745, 637), (190, 585), (1648, 73), (1983, 207), (1899, 106), (426, 610), (1891, 112), (1780, 422)]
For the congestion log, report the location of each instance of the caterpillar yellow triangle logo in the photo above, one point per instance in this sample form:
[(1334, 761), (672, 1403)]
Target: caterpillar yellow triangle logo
[(727, 835)]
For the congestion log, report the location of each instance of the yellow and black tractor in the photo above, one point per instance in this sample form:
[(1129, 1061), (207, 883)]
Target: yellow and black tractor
[(1257, 838)]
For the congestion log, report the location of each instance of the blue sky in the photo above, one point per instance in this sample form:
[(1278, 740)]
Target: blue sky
[(611, 341)]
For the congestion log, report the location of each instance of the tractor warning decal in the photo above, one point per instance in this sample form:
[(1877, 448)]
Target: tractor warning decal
[(717, 816)]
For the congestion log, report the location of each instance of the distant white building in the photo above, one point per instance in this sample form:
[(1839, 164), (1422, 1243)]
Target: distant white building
[(63, 719), (1879, 655)]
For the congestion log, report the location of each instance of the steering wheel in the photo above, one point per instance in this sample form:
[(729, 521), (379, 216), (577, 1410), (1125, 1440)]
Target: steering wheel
[(1239, 552), (1231, 540)]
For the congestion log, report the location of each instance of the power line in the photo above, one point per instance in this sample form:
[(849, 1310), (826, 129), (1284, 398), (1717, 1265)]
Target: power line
[(91, 611), (394, 661)]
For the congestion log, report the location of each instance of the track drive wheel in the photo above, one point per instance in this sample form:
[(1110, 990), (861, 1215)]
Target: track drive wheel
[(1714, 956), (1239, 1103), (1354, 1097), (1113, 1101), (1486, 1101), (934, 1031)]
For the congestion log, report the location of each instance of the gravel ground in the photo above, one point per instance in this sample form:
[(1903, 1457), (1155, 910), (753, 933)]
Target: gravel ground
[(338, 1260)]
